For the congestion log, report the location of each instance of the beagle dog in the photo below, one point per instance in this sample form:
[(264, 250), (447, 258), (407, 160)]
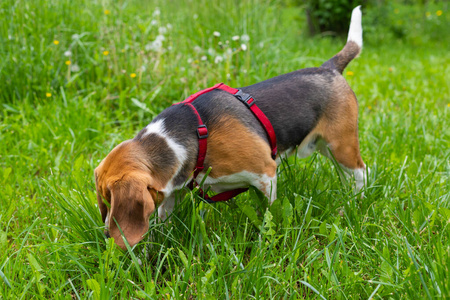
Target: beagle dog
[(309, 109)]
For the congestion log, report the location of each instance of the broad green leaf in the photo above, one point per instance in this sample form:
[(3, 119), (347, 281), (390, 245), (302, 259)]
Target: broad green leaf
[(210, 273), (250, 213), (287, 213), (276, 209), (79, 163), (6, 173), (36, 267), (183, 258), (3, 240), (95, 287), (323, 228)]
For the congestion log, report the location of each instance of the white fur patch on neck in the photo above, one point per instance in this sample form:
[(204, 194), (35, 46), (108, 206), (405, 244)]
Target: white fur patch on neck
[(155, 127), (180, 151)]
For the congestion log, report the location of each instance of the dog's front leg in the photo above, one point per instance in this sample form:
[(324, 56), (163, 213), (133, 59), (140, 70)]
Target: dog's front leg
[(267, 185), (166, 208)]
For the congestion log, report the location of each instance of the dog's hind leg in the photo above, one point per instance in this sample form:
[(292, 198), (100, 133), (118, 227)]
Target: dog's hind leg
[(349, 158), (339, 134)]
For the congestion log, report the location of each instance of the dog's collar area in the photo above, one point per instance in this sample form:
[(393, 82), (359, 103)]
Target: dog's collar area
[(202, 134)]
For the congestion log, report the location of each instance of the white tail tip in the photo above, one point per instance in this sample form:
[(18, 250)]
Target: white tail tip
[(355, 31)]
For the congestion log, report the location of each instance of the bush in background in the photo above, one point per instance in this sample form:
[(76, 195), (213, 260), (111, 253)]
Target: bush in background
[(330, 16)]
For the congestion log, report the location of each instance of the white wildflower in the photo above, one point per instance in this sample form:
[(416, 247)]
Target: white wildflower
[(216, 33), (218, 59), (68, 53), (244, 47), (169, 26), (197, 49), (160, 37), (162, 30), (211, 51), (156, 45), (195, 16), (203, 58), (228, 53), (190, 60), (74, 68), (245, 38), (154, 23), (75, 36), (235, 38), (157, 12)]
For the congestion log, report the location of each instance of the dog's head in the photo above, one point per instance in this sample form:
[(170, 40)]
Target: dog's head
[(127, 192)]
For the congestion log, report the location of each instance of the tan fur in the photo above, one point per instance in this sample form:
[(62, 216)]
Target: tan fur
[(123, 180), (233, 148), (339, 127)]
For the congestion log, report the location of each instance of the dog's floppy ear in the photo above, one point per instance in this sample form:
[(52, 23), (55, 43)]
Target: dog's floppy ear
[(101, 205), (131, 207)]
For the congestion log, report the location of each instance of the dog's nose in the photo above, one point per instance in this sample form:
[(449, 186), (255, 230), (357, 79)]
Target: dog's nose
[(107, 234)]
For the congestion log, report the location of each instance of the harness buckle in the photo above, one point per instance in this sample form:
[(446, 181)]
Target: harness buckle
[(245, 98), (202, 132)]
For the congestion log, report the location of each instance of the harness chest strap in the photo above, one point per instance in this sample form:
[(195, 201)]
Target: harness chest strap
[(202, 134)]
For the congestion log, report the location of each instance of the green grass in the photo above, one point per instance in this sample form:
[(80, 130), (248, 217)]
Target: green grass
[(319, 240)]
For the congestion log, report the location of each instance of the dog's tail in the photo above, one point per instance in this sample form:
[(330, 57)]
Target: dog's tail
[(353, 46)]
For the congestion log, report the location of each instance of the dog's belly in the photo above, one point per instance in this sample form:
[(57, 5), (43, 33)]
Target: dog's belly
[(305, 149), (229, 182)]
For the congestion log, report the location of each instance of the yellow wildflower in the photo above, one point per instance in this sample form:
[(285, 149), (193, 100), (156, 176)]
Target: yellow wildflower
[(439, 13), (350, 73), (132, 75), (107, 12), (56, 42), (48, 95), (68, 62), (105, 53)]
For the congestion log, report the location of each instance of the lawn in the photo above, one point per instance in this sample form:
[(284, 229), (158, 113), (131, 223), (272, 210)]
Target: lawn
[(78, 77)]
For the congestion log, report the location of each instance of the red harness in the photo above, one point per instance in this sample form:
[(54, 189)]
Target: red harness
[(202, 133)]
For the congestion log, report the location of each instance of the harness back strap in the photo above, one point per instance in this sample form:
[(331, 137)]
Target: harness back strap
[(202, 134), (250, 103)]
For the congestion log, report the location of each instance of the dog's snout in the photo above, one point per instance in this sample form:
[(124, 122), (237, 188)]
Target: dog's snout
[(107, 234)]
